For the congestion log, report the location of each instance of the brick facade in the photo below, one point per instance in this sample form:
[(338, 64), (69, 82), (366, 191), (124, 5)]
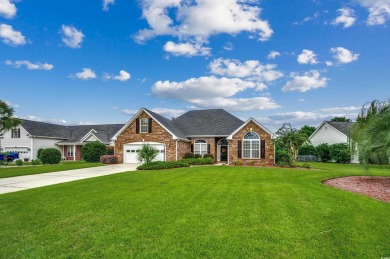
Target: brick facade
[(269, 146), (158, 134)]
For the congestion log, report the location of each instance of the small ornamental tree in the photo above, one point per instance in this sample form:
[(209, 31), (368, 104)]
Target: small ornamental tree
[(50, 156), (92, 151), (147, 153), (291, 140)]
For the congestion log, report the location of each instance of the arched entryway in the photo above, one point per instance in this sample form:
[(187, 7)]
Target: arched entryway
[(222, 150)]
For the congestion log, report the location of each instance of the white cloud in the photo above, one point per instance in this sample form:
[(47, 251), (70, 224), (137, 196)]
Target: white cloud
[(307, 57), (199, 19), (237, 104), (186, 49), (341, 109), (29, 65), (107, 3), (273, 54), (7, 9), (379, 11), (343, 55), (11, 104), (329, 63), (308, 81), (123, 76), (347, 17), (250, 69), (71, 36), (308, 18), (228, 46), (10, 36), (86, 74)]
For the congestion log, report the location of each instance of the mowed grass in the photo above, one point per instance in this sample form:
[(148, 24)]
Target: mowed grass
[(27, 170), (209, 212)]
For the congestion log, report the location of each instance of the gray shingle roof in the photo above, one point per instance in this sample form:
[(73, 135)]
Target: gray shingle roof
[(215, 122), (167, 124), (70, 134), (340, 126)]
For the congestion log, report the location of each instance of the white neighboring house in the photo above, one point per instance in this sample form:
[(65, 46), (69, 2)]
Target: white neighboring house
[(332, 132), (30, 136)]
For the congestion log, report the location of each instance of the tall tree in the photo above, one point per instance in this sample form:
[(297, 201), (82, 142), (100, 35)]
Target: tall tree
[(341, 119), (7, 120), (291, 139), (308, 130)]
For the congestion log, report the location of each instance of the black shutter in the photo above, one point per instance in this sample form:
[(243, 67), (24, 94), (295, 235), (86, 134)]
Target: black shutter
[(150, 125), (12, 133), (137, 126), (208, 148), (192, 148), (239, 148), (18, 133), (262, 149)]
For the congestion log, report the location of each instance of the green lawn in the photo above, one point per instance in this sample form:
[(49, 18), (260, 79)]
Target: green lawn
[(220, 211), (27, 170)]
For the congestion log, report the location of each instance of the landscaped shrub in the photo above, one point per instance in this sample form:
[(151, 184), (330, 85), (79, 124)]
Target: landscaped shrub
[(208, 155), (108, 159), (282, 158), (197, 156), (199, 161), (188, 155), (91, 152), (147, 153), (39, 153), (158, 165), (50, 156), (237, 162), (323, 152), (340, 153), (36, 162), (19, 162), (307, 150), (110, 150)]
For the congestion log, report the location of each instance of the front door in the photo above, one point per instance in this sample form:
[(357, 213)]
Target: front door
[(224, 153)]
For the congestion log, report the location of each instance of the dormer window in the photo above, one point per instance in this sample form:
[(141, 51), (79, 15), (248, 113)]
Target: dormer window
[(144, 125)]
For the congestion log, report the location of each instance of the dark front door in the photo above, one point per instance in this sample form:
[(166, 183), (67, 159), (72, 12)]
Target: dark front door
[(224, 153)]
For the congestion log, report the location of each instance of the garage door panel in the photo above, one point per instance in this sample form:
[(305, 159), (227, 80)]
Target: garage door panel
[(132, 150)]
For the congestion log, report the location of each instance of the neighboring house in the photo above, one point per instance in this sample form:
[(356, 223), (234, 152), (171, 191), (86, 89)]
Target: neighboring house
[(30, 136), (332, 132), (216, 132)]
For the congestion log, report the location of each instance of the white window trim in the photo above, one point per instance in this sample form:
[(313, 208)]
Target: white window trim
[(251, 149), (202, 147), (145, 125), (70, 148)]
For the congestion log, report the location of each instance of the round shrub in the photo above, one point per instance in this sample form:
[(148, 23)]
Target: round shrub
[(91, 152), (323, 152), (208, 155), (282, 158), (340, 153), (19, 162), (50, 156), (39, 153), (36, 162), (188, 155), (197, 156), (108, 159)]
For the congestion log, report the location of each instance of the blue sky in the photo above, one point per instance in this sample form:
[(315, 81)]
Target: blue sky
[(83, 62)]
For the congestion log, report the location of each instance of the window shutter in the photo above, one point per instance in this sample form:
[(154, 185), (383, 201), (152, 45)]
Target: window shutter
[(208, 148), (192, 148), (18, 133), (150, 125), (262, 150), (137, 126), (239, 148), (12, 133)]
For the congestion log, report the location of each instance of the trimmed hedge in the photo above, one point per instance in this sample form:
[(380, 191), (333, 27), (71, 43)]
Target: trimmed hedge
[(50, 156), (199, 161), (197, 156), (188, 155), (158, 165), (39, 153), (91, 152), (108, 159), (208, 155)]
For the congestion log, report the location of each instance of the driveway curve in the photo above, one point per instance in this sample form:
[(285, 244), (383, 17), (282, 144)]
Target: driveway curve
[(20, 183)]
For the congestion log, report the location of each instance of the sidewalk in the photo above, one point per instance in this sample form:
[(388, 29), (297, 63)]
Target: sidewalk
[(19, 183)]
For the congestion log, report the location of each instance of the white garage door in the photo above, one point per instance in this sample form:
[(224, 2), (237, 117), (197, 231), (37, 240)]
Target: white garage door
[(131, 151), (24, 152)]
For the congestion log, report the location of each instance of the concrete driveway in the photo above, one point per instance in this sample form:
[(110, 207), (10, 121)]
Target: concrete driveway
[(19, 183)]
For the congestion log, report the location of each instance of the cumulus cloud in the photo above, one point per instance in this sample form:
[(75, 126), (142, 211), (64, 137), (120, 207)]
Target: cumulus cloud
[(29, 65), (71, 36), (346, 18), (250, 69), (7, 9), (123, 76), (106, 4), (307, 57), (186, 49), (379, 11), (237, 104), (85, 74), (273, 54), (305, 82), (343, 55), (200, 19), (10, 36)]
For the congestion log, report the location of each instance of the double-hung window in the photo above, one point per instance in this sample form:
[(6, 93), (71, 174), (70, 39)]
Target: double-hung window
[(200, 147), (15, 133), (251, 145), (144, 125)]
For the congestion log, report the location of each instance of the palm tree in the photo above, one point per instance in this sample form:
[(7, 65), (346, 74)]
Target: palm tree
[(7, 121)]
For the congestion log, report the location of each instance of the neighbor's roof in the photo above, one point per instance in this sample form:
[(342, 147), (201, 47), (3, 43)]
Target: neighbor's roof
[(341, 126), (215, 122), (43, 129)]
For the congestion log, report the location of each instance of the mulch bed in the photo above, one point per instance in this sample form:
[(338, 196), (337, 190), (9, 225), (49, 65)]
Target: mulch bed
[(377, 187)]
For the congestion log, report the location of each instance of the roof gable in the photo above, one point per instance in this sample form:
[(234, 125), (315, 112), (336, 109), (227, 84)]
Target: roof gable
[(342, 127), (255, 122)]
